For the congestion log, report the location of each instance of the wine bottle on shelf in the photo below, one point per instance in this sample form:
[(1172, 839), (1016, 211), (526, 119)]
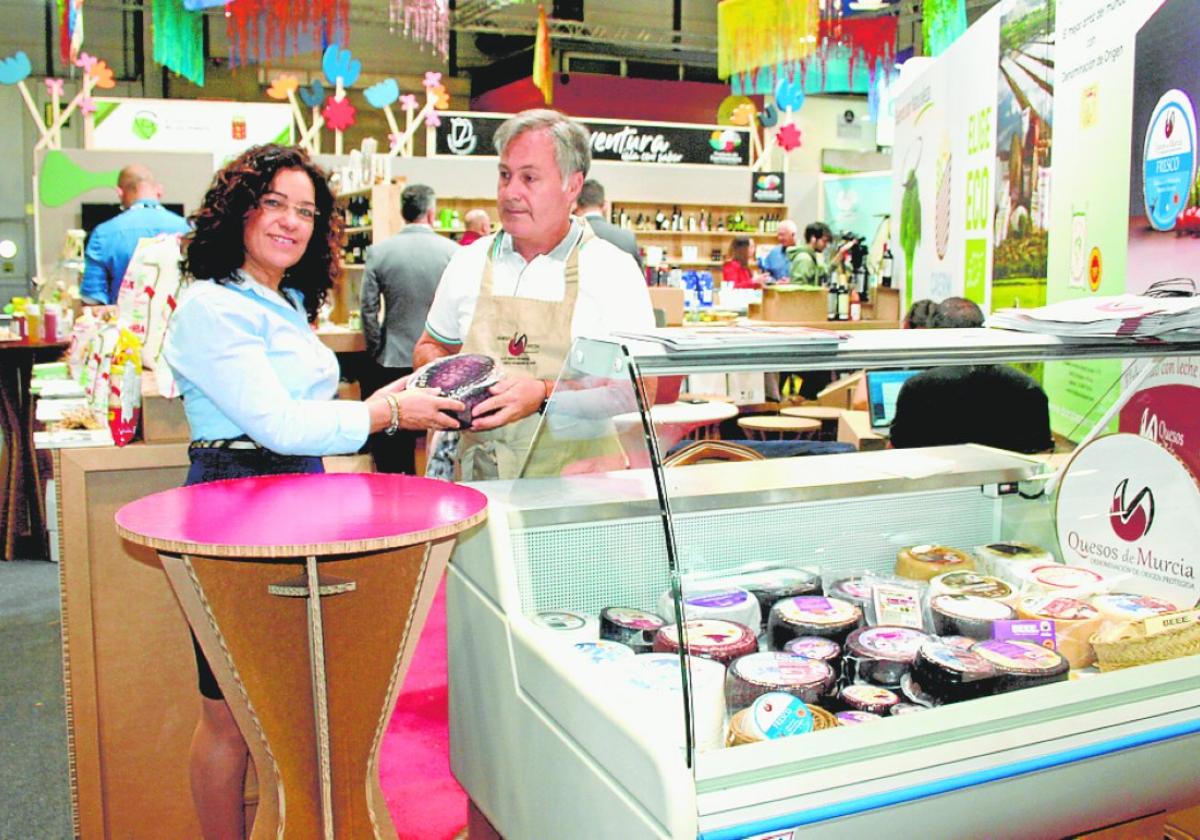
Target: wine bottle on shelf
[(885, 267), (843, 303), (831, 304), (703, 221), (855, 305), (660, 220), (691, 222)]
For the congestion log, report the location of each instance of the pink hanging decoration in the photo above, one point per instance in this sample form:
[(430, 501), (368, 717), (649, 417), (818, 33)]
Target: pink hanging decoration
[(427, 21)]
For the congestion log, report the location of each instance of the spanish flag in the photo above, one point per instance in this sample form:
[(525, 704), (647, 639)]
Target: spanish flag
[(542, 78)]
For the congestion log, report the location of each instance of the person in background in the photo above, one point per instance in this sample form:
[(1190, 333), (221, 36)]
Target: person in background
[(736, 271), (258, 385), (776, 262), (921, 316), (593, 206), (112, 243), (478, 225), (807, 260), (403, 272), (992, 405), (522, 298)]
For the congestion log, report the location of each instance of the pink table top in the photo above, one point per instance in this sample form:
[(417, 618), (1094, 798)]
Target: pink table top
[(301, 515)]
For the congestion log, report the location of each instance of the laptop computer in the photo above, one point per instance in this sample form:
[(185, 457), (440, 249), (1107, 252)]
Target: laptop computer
[(883, 387)]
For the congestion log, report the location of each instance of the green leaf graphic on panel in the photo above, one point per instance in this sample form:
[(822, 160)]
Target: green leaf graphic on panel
[(62, 180), (145, 125), (284, 138), (910, 228), (104, 110)]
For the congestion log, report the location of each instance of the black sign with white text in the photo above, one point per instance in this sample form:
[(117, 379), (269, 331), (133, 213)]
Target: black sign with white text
[(766, 187), (470, 135)]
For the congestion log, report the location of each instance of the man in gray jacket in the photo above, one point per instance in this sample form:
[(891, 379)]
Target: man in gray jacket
[(592, 206), (404, 271)]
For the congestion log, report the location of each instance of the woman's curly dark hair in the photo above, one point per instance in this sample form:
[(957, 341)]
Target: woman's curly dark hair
[(214, 249)]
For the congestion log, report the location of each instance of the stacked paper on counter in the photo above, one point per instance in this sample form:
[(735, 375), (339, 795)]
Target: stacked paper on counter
[(1131, 316), (737, 335)]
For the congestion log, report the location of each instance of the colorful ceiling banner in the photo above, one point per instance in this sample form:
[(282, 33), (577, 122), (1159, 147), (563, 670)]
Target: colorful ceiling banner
[(425, 21), (70, 29), (942, 22), (179, 39), (261, 30), (764, 33)]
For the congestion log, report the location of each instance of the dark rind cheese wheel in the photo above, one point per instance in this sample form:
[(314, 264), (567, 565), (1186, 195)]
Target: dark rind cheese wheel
[(855, 589), (711, 638), (811, 615), (815, 647), (967, 615), (906, 709), (1022, 664), (756, 674), (466, 377), (960, 642), (770, 586), (913, 693), (860, 697), (881, 654), (631, 627), (951, 675), (922, 562)]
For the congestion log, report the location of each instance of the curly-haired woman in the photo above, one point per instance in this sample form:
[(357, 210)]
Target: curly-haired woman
[(258, 385)]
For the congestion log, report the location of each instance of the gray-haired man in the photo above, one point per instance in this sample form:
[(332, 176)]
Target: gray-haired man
[(522, 295)]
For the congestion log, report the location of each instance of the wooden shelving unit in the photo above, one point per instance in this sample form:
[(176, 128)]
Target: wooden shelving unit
[(382, 202)]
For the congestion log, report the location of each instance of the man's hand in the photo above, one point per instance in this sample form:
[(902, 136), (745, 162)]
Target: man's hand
[(512, 398)]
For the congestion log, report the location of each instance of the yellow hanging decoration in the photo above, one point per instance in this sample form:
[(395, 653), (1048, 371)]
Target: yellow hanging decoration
[(764, 33)]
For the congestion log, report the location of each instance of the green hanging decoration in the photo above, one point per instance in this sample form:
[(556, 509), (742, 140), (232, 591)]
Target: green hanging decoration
[(179, 39), (942, 21)]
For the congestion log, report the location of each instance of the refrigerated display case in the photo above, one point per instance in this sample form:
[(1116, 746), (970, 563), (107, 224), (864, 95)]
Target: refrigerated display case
[(548, 742)]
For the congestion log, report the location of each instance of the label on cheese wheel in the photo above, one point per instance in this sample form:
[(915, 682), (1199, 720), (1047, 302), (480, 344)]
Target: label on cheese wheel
[(720, 598), (782, 669), (706, 632), (1133, 607), (938, 554), (815, 609), (633, 619), (906, 709), (972, 607), (779, 715), (965, 662), (1018, 656), (1059, 607), (972, 583), (899, 643), (560, 620), (854, 587), (603, 652), (813, 647), (869, 695), (1059, 576), (854, 718)]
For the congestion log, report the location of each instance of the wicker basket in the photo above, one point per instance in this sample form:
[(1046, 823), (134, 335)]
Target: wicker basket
[(738, 734), (1128, 645)]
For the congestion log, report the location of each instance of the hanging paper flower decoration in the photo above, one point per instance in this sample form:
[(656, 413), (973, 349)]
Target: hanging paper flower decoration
[(86, 61), (768, 117), (788, 137), (393, 141), (313, 95), (338, 63), (432, 79), (339, 114), (87, 105), (441, 99), (382, 94), (14, 68), (789, 94), (432, 120), (281, 86), (54, 87), (260, 30), (743, 114), (408, 102), (424, 20), (102, 74)]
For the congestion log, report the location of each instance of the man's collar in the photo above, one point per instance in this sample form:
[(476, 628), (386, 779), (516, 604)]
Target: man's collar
[(144, 202), (560, 252)]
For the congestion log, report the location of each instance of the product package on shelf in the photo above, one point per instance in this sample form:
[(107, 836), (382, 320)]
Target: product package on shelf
[(125, 388)]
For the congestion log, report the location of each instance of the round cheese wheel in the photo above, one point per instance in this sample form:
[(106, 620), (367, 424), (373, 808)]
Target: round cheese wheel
[(815, 647), (868, 698), (1022, 664), (811, 615), (903, 708), (922, 562), (853, 718), (1074, 623), (856, 590), (1126, 606), (1057, 577), (652, 684), (960, 642), (772, 585), (628, 626), (568, 627), (726, 604), (1009, 560), (911, 690), (602, 652), (756, 674), (882, 654), (951, 674), (973, 583), (771, 716), (967, 615), (723, 641)]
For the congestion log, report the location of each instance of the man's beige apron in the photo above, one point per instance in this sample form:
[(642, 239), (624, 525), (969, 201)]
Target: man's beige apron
[(528, 337)]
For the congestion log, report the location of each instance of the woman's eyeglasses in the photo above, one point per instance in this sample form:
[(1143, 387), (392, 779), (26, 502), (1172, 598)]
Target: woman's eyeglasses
[(305, 212)]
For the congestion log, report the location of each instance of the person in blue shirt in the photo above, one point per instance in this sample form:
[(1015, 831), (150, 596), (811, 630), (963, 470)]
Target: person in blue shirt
[(258, 385), (111, 245), (776, 262)]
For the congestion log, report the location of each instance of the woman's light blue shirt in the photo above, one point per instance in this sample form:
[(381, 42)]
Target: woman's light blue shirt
[(247, 363)]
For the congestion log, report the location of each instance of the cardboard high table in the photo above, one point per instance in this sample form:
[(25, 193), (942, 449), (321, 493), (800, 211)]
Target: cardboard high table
[(307, 594)]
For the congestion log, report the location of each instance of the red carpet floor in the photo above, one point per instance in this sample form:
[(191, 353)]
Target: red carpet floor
[(425, 801)]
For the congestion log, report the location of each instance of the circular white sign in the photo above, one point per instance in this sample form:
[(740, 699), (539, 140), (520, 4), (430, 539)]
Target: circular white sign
[(1130, 509)]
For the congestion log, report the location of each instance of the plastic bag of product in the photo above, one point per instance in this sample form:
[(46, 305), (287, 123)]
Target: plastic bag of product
[(97, 367), (125, 388), (82, 331), (149, 292)]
